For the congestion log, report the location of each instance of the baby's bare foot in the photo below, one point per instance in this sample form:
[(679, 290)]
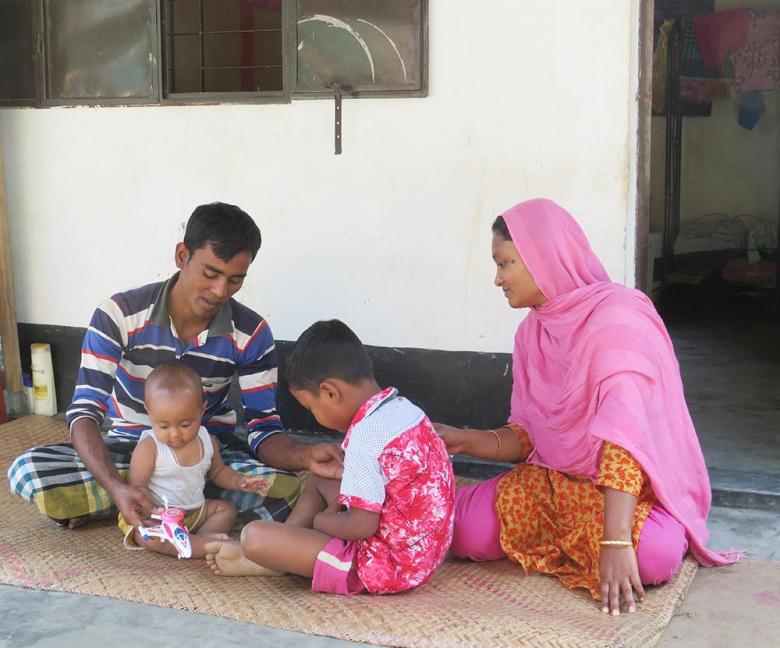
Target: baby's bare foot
[(225, 558), (214, 536)]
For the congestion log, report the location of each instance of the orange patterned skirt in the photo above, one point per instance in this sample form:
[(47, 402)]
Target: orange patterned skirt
[(553, 523)]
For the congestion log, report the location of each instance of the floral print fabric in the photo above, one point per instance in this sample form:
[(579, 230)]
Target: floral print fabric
[(553, 523), (395, 464)]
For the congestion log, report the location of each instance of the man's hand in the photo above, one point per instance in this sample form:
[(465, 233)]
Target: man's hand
[(619, 573), (326, 460), (454, 438), (135, 503)]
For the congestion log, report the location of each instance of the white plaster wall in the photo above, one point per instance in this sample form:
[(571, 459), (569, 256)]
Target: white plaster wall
[(527, 99)]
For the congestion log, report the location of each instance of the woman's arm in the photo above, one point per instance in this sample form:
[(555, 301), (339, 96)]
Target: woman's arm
[(501, 444), (618, 567)]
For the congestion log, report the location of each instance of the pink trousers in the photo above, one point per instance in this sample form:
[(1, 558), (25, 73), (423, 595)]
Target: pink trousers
[(662, 545)]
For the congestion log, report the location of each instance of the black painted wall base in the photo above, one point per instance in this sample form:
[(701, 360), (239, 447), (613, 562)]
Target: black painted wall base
[(462, 388)]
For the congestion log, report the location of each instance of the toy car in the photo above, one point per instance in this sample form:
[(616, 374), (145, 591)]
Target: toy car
[(170, 530)]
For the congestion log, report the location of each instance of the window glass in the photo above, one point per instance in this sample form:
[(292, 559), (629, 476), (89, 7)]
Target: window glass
[(99, 49), (17, 85), (366, 44)]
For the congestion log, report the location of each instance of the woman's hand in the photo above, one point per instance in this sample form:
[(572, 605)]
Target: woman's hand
[(619, 574), (454, 438)]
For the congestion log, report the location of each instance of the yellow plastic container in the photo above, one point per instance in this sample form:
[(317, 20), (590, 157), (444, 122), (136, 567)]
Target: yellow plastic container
[(44, 396)]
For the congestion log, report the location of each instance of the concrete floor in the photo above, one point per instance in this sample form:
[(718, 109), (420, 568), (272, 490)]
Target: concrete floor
[(731, 373)]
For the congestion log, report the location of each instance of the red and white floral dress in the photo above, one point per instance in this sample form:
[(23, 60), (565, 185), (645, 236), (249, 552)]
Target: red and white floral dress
[(395, 465)]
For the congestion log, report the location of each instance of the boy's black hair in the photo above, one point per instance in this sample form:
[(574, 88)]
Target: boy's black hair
[(327, 349), (226, 228), (499, 227), (173, 375)]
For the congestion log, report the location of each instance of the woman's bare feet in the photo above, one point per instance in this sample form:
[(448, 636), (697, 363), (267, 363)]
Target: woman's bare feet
[(225, 558)]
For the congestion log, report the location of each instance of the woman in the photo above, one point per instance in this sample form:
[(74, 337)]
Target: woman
[(611, 490)]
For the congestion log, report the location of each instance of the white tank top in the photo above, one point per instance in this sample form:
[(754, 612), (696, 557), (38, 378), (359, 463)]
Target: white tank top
[(181, 485)]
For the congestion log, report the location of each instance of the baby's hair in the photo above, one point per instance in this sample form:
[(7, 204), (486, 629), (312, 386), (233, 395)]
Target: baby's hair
[(499, 227), (173, 376), (327, 349)]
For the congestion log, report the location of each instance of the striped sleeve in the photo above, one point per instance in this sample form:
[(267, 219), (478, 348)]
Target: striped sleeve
[(101, 352), (257, 377)]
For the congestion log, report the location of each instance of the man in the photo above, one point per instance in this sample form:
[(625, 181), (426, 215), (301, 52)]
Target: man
[(191, 317)]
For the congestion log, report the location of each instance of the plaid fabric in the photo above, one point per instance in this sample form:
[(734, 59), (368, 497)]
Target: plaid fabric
[(55, 479)]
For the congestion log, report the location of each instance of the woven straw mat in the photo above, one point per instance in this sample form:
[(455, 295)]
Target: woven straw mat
[(464, 604)]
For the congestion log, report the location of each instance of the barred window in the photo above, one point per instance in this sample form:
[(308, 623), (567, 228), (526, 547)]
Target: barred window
[(128, 52)]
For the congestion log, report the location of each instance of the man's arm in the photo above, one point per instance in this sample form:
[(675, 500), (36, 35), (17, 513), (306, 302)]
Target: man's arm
[(101, 352), (323, 459), (135, 503), (257, 377)]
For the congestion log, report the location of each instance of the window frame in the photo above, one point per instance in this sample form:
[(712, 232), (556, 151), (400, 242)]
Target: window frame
[(158, 95)]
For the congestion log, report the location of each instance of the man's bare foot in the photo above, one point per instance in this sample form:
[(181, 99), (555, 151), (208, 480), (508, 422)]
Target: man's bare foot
[(213, 536), (225, 558), (76, 522)]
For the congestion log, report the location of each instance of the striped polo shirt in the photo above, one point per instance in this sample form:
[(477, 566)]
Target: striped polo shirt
[(131, 333)]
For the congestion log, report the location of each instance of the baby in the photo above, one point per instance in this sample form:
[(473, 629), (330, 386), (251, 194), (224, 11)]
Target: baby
[(175, 456)]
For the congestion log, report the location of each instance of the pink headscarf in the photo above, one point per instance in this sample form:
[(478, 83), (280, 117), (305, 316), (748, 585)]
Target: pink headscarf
[(595, 364)]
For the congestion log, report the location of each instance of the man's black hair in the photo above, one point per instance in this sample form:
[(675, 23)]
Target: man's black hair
[(227, 229), (327, 349), (499, 227)]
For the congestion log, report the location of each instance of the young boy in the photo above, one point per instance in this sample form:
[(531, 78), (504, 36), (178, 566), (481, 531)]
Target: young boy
[(387, 524), (174, 457)]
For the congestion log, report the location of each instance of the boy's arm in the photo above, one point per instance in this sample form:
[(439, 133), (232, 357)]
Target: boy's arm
[(361, 492), (354, 524)]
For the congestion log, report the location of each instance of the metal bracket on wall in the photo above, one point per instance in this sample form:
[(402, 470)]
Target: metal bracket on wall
[(338, 90)]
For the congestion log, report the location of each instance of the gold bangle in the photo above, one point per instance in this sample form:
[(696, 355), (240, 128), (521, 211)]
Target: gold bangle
[(498, 440), (616, 543)]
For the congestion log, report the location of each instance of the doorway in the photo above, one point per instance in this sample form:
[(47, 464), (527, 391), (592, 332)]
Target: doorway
[(707, 237)]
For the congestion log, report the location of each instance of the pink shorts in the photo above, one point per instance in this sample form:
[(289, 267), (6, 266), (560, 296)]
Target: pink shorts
[(335, 571)]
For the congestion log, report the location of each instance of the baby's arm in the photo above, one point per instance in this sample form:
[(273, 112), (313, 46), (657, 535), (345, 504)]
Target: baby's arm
[(354, 524), (227, 478), (142, 463)]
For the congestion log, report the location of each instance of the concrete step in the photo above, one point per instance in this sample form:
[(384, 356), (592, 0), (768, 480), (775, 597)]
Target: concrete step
[(739, 489)]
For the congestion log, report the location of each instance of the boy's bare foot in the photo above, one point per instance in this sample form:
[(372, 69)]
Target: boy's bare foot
[(225, 558)]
